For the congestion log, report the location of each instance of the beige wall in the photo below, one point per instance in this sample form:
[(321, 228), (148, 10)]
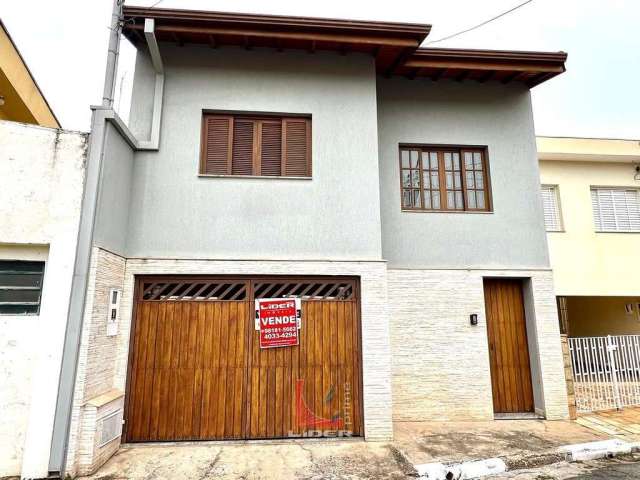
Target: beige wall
[(599, 316), (585, 262)]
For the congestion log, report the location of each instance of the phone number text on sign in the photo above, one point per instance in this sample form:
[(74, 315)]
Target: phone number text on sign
[(278, 321)]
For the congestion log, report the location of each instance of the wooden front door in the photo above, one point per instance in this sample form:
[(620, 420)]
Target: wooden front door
[(197, 372), (508, 347)]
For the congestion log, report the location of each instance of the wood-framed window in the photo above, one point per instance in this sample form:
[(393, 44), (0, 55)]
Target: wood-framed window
[(444, 178), (253, 145)]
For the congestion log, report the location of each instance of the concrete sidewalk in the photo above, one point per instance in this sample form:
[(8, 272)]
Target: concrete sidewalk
[(415, 443), (306, 459), (463, 441)]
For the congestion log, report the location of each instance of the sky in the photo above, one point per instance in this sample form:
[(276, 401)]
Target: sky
[(65, 44)]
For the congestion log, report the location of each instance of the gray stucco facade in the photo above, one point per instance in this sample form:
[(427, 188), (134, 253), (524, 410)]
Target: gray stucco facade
[(334, 215), (467, 113)]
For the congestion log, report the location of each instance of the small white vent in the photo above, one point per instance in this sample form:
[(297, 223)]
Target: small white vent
[(110, 427)]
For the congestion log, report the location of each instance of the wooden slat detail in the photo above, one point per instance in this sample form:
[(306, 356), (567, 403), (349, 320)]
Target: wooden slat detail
[(508, 348), (271, 153), (243, 151), (216, 147), (297, 161), (197, 371)]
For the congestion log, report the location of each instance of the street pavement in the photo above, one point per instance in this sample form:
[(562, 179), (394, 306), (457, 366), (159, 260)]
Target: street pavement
[(627, 467)]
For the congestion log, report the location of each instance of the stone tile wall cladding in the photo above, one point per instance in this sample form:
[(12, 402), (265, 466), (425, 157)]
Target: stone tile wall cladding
[(568, 375), (439, 369), (440, 363), (103, 360), (96, 365)]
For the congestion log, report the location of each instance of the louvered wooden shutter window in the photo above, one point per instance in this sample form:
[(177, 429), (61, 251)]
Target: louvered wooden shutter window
[(616, 209), (256, 146), (550, 203), (216, 145)]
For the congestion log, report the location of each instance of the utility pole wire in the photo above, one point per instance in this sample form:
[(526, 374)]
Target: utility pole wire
[(479, 25), (155, 4)]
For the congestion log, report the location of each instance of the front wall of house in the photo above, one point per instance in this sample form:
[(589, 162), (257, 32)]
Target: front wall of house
[(114, 200), (335, 215), (586, 262), (440, 363), (39, 214), (466, 113)]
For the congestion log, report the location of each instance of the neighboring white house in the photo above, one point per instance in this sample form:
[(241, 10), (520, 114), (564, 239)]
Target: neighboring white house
[(41, 185)]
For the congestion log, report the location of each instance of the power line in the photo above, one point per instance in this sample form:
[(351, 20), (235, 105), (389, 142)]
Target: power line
[(479, 25), (155, 4)]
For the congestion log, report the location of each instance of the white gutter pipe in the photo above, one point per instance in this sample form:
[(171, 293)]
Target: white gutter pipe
[(149, 34)]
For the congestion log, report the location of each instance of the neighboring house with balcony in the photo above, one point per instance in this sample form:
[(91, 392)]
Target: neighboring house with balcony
[(392, 191), (591, 194)]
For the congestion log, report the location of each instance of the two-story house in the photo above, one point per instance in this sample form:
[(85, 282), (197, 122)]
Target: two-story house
[(390, 192)]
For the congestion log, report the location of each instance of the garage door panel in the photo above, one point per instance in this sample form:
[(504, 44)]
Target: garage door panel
[(197, 370)]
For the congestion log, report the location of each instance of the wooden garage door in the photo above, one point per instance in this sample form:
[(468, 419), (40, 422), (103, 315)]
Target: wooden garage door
[(508, 347), (196, 370)]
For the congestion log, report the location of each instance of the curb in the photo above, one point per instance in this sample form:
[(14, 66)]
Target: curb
[(492, 466)]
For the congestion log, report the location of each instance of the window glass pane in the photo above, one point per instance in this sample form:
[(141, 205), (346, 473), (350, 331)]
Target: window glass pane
[(406, 198), (468, 161), (15, 266), (435, 180), (456, 161), (416, 178), (479, 179), (406, 178), (434, 160), (414, 159), (480, 198), (447, 161), (425, 160), (449, 180), (459, 205), (18, 309), (477, 161), (417, 201), (456, 180), (20, 279), (18, 296), (471, 199), (451, 203), (470, 179), (435, 200), (405, 158), (427, 198)]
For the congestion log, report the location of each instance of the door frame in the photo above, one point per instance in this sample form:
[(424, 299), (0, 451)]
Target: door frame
[(139, 278), (530, 339)]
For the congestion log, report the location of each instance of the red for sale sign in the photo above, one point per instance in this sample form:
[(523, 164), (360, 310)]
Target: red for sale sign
[(278, 321)]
